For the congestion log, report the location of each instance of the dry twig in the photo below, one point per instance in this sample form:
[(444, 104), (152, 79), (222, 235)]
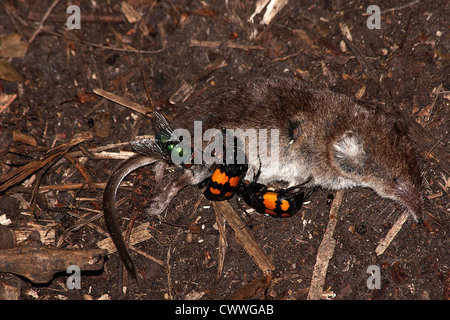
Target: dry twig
[(386, 241), (106, 47), (228, 44), (39, 264), (244, 238), (41, 24), (124, 102), (325, 251), (19, 174), (222, 242)]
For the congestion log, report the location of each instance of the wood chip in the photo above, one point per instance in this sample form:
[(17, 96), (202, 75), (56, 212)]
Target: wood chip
[(345, 31), (21, 137), (273, 7), (6, 100), (130, 13), (183, 93), (138, 235), (272, 10), (47, 233), (260, 5)]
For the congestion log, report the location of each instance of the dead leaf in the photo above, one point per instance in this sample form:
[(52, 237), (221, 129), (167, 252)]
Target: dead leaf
[(83, 97), (194, 295), (250, 289), (12, 46), (195, 228), (398, 273), (8, 73), (425, 112)]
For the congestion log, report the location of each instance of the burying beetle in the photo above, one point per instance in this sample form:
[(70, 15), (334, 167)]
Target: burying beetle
[(278, 203)]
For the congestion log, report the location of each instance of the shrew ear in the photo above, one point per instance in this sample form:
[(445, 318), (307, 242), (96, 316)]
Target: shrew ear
[(348, 153)]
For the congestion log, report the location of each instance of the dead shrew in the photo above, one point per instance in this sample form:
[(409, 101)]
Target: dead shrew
[(325, 140)]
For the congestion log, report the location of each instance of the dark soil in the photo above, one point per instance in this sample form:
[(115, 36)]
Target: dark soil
[(409, 54)]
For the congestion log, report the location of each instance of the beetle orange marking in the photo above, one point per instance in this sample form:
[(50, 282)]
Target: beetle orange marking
[(269, 200), (234, 181), (219, 177), (214, 191), (285, 205)]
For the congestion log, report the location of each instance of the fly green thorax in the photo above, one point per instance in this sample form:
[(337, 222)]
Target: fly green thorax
[(172, 146)]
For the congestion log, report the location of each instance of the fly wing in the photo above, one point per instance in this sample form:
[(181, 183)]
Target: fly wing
[(161, 123), (150, 147)]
